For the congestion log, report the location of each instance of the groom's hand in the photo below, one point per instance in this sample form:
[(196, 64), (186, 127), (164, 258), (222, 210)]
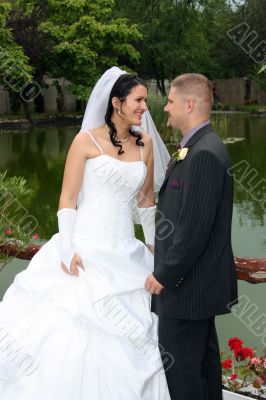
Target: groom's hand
[(152, 285)]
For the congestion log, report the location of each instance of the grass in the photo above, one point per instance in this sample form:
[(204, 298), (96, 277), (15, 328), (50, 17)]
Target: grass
[(156, 105), (220, 124)]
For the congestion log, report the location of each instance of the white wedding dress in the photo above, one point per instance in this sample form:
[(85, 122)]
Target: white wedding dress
[(90, 337)]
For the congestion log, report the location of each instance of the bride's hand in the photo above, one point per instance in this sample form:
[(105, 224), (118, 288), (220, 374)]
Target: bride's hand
[(75, 263), (151, 248)]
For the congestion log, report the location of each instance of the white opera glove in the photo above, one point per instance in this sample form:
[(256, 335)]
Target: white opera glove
[(66, 223), (147, 220)]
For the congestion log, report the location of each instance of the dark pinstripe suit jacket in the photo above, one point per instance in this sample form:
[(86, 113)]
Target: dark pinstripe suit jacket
[(193, 252)]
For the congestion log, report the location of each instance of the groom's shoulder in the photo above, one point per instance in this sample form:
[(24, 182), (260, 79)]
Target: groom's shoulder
[(211, 140), (212, 144)]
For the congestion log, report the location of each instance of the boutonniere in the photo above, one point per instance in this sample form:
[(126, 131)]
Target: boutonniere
[(180, 154)]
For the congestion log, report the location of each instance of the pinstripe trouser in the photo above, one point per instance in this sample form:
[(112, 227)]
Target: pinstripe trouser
[(196, 370)]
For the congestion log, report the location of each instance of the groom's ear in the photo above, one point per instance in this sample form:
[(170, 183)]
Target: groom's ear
[(190, 105)]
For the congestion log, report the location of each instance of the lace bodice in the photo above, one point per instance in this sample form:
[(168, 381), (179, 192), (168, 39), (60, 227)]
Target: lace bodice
[(107, 197)]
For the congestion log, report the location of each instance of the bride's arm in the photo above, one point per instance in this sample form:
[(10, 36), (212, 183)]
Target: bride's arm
[(145, 198), (72, 180), (73, 172), (146, 194)]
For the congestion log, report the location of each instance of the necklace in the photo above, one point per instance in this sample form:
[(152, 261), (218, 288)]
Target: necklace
[(123, 140)]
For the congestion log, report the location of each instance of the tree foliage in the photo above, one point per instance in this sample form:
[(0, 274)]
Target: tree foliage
[(192, 36), (73, 39), (253, 13), (78, 39), (24, 20), (179, 36), (15, 69)]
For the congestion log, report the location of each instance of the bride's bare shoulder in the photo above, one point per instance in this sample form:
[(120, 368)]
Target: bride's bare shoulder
[(92, 132), (87, 139), (83, 136), (146, 138), (82, 143), (97, 133)]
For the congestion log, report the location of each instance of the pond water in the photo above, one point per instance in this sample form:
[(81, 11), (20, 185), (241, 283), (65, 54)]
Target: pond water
[(39, 156)]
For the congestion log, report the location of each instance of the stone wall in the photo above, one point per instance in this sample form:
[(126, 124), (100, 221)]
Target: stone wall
[(231, 91), (239, 91), (257, 94), (49, 94), (50, 97)]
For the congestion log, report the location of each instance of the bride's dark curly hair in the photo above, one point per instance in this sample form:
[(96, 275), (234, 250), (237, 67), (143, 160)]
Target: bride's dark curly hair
[(121, 90)]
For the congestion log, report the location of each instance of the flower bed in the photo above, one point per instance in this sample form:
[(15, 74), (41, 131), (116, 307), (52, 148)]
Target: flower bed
[(244, 374)]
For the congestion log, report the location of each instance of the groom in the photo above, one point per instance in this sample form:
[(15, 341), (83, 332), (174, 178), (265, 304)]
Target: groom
[(194, 275)]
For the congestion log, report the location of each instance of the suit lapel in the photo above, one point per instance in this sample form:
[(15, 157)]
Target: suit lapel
[(197, 135), (201, 132), (169, 170)]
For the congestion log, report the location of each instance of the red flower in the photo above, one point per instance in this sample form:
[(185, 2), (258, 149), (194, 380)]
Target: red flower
[(233, 377), (35, 236), (9, 231), (243, 354), (252, 353), (227, 364), (235, 343)]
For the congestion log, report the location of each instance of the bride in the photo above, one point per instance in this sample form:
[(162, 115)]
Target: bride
[(76, 324)]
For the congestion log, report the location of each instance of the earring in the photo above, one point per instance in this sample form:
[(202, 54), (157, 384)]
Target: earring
[(119, 113)]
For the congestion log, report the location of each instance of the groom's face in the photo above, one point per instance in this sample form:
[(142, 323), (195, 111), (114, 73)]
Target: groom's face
[(176, 109)]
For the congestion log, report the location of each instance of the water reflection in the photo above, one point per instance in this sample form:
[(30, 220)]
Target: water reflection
[(39, 156), (249, 234)]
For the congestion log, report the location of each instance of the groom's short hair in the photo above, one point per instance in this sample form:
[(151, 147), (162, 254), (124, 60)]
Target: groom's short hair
[(195, 85)]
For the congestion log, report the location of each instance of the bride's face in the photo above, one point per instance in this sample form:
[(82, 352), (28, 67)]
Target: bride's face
[(134, 105)]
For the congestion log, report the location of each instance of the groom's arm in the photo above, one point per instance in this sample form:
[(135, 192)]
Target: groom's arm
[(202, 194)]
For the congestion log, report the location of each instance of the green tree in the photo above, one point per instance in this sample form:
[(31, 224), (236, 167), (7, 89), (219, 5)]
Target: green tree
[(217, 18), (15, 70), (253, 13), (193, 36), (24, 22), (176, 38), (90, 42)]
